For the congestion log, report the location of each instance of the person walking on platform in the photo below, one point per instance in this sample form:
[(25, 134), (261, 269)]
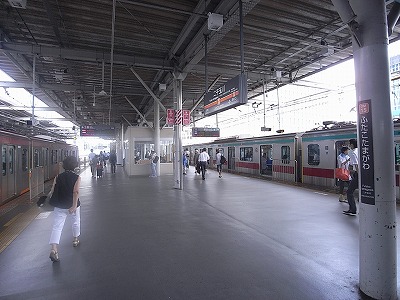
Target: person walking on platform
[(185, 163), (196, 161), (203, 159), (92, 165), (113, 161), (343, 162), (64, 196), (352, 211), (153, 161), (218, 163)]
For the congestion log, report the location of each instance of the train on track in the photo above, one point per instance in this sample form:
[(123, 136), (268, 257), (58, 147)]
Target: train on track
[(22, 156), (307, 157)]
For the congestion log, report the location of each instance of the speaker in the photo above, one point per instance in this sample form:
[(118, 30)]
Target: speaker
[(215, 21)]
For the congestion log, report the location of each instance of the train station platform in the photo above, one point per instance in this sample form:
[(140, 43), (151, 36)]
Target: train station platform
[(229, 238)]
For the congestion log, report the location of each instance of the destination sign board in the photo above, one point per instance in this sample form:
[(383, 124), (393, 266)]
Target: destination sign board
[(103, 131), (205, 132), (231, 94)]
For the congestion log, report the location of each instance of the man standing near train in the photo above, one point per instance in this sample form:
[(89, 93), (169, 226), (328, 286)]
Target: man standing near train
[(203, 159), (352, 211), (92, 164)]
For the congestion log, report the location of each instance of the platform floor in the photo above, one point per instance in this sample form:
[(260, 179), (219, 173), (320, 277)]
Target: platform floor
[(229, 238)]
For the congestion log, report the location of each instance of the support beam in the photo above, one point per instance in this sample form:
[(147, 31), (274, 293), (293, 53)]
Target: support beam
[(393, 17), (140, 114), (84, 55), (193, 53), (123, 117), (148, 89)]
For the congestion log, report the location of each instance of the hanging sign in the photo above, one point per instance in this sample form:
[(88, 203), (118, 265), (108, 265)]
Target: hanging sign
[(205, 132), (231, 94), (366, 153), (103, 131), (170, 116)]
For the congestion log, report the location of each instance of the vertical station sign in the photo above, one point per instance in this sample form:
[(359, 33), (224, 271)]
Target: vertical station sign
[(176, 117), (231, 94), (186, 117), (170, 116), (366, 152)]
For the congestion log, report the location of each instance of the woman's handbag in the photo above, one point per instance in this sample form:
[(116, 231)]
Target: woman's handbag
[(342, 174)]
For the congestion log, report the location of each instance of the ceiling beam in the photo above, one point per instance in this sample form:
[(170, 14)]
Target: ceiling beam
[(84, 55), (231, 72), (195, 50)]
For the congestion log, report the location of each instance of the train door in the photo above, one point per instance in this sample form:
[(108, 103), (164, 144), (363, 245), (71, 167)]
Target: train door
[(8, 171), (46, 165), (266, 160), (231, 158)]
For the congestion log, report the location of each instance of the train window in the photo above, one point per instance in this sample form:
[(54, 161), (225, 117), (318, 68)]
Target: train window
[(246, 154), (285, 154), (210, 152), (397, 156), (11, 160), (4, 160), (36, 158), (24, 159), (56, 156), (313, 154)]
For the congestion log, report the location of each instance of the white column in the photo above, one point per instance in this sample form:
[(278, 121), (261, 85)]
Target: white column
[(178, 167), (377, 209), (157, 133)]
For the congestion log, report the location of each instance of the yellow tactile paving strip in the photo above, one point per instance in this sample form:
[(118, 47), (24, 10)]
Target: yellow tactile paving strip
[(15, 226)]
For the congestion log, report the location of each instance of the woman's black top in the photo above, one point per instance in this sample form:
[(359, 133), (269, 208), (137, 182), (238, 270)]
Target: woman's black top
[(64, 190)]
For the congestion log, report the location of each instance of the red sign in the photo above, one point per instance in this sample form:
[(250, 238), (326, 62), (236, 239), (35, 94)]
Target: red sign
[(170, 117), (186, 117)]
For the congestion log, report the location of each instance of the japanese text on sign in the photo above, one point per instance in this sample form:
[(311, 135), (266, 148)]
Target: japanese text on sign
[(366, 161)]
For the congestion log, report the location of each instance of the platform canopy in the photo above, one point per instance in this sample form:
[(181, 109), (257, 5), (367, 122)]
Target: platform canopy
[(83, 55)]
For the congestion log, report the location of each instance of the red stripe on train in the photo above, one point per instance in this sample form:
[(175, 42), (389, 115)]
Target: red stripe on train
[(248, 165), (318, 172), (283, 169)]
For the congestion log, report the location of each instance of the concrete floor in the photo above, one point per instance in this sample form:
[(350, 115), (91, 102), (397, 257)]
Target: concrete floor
[(229, 238)]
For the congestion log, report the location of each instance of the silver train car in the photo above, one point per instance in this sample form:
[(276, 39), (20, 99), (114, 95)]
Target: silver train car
[(307, 157), (21, 155)]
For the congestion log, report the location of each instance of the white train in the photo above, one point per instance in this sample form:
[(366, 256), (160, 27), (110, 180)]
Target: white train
[(309, 157), (20, 154)]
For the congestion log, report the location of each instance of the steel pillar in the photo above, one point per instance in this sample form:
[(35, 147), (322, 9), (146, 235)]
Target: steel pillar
[(157, 135), (178, 167), (378, 251)]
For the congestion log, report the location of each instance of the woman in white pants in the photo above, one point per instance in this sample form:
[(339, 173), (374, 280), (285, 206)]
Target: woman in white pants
[(64, 196)]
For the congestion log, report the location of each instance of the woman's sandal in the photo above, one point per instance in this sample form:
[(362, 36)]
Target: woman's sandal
[(75, 243), (54, 256)]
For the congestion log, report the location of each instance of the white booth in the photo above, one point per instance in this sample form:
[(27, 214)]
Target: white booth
[(138, 144)]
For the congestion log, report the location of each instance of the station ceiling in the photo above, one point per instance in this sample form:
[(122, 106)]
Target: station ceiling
[(79, 52)]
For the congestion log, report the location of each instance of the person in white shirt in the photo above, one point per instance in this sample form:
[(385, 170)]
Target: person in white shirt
[(218, 162), (343, 162), (203, 159), (352, 211), (92, 164)]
